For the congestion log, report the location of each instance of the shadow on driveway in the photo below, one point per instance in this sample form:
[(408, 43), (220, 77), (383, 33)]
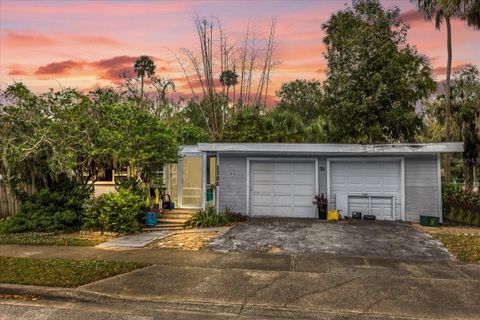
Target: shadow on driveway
[(352, 238)]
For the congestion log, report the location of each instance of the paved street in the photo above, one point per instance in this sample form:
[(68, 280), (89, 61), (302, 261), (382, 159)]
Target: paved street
[(249, 285)]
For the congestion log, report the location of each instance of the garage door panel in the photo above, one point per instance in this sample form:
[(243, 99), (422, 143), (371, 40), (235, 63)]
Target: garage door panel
[(375, 178), (280, 177), (263, 177), (302, 212), (283, 201), (263, 210), (355, 180), (262, 198), (305, 200), (263, 166), (264, 188), (286, 186), (391, 181), (338, 179), (303, 189), (301, 177)]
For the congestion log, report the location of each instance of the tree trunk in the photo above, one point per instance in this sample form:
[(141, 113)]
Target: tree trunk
[(141, 89), (448, 115)]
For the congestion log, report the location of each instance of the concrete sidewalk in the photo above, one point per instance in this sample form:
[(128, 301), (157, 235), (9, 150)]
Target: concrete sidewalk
[(314, 263), (136, 240)]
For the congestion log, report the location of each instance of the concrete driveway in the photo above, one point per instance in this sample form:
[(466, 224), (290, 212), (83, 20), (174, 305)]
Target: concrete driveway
[(352, 238)]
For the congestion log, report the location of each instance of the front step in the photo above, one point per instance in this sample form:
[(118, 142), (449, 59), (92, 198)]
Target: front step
[(180, 210), (171, 221), (171, 215), (163, 228), (175, 219)]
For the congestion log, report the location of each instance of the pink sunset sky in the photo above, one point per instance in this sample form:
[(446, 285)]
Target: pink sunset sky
[(85, 44)]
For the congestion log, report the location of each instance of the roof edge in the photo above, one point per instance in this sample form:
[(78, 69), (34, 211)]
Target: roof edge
[(395, 148)]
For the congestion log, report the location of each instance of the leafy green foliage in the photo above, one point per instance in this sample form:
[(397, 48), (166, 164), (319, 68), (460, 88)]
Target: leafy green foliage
[(460, 205), (234, 216), (302, 97), (247, 125), (137, 139), (209, 218), (49, 210), (251, 125), (120, 211), (375, 77), (59, 272), (44, 239), (465, 108), (284, 127)]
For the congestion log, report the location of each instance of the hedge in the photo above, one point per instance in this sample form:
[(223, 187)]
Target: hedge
[(460, 205)]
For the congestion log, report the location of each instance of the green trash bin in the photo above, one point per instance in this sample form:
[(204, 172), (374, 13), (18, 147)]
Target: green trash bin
[(209, 195), (429, 221)]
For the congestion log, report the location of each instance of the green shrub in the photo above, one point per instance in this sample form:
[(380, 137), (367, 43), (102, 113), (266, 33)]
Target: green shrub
[(209, 218), (234, 216), (49, 211), (120, 211), (461, 206)]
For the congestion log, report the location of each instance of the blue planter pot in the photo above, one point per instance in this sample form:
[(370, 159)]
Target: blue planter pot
[(151, 219)]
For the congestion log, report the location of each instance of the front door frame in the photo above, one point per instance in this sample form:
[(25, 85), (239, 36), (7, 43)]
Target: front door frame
[(203, 157), (366, 159)]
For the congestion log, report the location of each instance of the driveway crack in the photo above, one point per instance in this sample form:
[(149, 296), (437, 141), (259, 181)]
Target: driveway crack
[(281, 277), (319, 291), (385, 296)]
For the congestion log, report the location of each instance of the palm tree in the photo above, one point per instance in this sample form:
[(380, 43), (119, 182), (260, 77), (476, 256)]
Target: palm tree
[(144, 67), (442, 11), (228, 78)]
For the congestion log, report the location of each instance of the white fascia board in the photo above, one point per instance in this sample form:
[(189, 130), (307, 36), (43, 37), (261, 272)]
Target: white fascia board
[(400, 148), (189, 149)]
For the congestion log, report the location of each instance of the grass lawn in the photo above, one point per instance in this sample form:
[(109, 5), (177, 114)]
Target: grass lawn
[(58, 272), (465, 247), (31, 238)]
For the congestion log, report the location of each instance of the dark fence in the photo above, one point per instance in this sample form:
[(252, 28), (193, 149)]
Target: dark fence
[(8, 203)]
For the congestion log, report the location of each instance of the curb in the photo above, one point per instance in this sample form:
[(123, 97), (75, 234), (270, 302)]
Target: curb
[(151, 306)]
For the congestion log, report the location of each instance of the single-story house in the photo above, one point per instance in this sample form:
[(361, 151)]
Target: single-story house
[(390, 181)]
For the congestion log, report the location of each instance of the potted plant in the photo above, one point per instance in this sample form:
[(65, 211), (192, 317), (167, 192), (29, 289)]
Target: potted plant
[(151, 215), (321, 202)]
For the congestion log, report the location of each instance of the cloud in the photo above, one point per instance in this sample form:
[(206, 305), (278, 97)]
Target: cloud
[(412, 17), (59, 68), (443, 70), (115, 62), (113, 69), (28, 39), (35, 39), (16, 70), (93, 40)]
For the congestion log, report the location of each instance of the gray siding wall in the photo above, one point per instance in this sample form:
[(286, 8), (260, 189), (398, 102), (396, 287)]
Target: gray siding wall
[(421, 186), (421, 190), (232, 182)]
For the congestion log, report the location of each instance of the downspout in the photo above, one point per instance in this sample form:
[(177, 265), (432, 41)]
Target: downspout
[(439, 187), (217, 182)]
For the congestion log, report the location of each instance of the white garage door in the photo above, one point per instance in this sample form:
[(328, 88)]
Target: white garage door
[(282, 189), (374, 178)]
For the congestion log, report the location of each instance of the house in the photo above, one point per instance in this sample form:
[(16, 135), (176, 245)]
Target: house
[(390, 181)]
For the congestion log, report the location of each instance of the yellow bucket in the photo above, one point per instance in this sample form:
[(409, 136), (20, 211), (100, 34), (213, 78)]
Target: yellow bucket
[(333, 215)]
